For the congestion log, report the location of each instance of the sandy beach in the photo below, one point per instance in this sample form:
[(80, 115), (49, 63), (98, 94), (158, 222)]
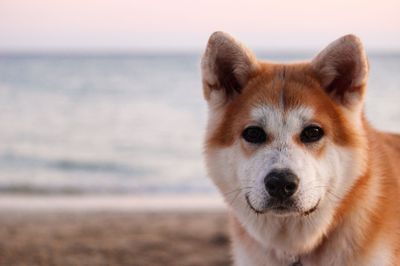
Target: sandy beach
[(111, 236)]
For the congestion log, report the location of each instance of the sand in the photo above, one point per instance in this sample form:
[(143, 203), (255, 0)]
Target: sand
[(130, 237)]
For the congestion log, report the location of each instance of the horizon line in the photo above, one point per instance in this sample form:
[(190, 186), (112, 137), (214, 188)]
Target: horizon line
[(149, 52)]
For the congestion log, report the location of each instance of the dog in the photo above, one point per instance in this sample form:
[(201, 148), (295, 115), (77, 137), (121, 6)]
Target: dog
[(307, 179)]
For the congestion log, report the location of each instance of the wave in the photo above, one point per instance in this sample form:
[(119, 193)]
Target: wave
[(68, 165)]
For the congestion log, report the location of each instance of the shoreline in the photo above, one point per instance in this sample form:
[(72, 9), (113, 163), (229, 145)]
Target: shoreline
[(134, 203), (161, 230), (114, 238)]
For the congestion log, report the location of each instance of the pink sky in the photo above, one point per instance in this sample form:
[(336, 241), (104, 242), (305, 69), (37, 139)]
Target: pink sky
[(180, 24)]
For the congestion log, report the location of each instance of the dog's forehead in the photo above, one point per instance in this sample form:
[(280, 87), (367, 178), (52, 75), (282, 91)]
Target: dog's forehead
[(280, 103), (283, 87), (276, 118)]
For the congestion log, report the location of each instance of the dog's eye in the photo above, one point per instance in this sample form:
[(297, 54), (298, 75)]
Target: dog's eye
[(254, 134), (311, 134)]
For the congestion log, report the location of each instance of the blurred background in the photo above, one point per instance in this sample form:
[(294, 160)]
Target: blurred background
[(103, 98)]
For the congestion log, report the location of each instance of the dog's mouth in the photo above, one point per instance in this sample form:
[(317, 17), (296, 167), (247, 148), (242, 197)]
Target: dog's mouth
[(281, 208)]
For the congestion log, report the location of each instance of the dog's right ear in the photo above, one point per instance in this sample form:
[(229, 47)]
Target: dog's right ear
[(226, 66)]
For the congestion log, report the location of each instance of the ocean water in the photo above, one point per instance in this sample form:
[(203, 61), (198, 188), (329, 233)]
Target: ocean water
[(124, 123)]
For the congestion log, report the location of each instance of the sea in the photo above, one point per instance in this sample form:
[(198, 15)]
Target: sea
[(125, 123)]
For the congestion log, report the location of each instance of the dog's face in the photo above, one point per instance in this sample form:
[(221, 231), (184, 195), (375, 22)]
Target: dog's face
[(283, 140)]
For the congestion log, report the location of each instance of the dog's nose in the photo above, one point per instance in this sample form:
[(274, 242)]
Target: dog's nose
[(281, 184)]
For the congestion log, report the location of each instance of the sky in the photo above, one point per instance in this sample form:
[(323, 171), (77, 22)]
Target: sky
[(184, 25)]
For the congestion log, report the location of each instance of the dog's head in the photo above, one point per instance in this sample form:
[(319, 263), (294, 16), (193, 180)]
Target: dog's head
[(284, 139)]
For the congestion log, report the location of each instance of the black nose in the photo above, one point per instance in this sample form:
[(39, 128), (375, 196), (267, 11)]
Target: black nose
[(281, 184)]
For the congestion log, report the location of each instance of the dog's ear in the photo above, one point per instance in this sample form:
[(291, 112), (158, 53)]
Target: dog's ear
[(342, 69), (226, 66)]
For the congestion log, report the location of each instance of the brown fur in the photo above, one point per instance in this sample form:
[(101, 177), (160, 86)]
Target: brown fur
[(300, 87), (369, 213), (384, 154)]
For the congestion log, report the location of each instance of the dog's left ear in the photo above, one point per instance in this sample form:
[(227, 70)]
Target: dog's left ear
[(342, 69), (226, 67)]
